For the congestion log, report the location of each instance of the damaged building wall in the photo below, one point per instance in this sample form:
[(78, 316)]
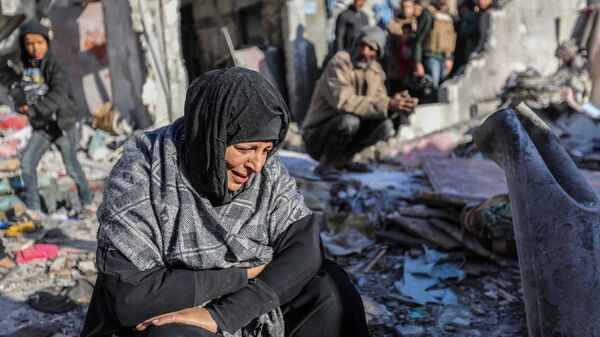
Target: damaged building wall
[(305, 51), (158, 24), (249, 23), (289, 33), (516, 42)]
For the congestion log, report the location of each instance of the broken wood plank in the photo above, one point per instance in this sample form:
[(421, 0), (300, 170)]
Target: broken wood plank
[(402, 299), (397, 236), (425, 230), (470, 242), (374, 261), (423, 211), (454, 231), (441, 200)]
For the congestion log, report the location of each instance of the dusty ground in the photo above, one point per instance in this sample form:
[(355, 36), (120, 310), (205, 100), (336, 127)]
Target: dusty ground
[(483, 308)]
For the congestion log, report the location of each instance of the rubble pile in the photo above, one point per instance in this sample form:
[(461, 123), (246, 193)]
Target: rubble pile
[(566, 99), (47, 292), (430, 249)]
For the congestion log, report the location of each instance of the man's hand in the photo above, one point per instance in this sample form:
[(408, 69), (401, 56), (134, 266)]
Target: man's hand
[(419, 69), (448, 64), (403, 103), (23, 109), (199, 317)]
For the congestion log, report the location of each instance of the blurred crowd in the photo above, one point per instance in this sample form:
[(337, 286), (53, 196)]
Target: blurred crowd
[(426, 43)]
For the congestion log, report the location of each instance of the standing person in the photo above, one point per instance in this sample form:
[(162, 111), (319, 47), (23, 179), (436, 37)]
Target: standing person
[(350, 108), (484, 11), (399, 59), (467, 33), (51, 110), (348, 24), (202, 226), (435, 41)]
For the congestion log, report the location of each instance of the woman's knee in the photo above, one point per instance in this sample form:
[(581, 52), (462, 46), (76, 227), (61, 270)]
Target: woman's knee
[(333, 287), (329, 305)]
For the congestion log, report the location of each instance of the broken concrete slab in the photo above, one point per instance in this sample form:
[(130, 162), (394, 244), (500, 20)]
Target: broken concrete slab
[(461, 180), (464, 179)]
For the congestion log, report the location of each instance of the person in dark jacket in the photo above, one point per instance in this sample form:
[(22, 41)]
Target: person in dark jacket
[(51, 110), (348, 25), (203, 232)]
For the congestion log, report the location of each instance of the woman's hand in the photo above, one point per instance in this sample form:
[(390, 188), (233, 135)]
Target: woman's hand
[(199, 317), (254, 271)]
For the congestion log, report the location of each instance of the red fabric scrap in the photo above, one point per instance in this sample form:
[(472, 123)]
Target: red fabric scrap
[(13, 122), (36, 252)]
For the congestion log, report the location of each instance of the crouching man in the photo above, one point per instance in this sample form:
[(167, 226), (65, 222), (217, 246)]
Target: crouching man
[(350, 108)]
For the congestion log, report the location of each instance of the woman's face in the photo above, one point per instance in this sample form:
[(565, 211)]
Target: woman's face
[(243, 160)]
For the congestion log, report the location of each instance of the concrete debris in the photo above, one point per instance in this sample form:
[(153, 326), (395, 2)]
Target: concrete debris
[(362, 206)]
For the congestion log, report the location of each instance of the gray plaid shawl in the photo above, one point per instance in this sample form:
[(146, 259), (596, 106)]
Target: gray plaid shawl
[(152, 215)]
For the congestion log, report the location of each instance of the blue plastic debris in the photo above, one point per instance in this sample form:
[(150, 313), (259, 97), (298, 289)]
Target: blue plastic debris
[(422, 274)]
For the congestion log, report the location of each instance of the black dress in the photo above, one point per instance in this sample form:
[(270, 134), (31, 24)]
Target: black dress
[(316, 296)]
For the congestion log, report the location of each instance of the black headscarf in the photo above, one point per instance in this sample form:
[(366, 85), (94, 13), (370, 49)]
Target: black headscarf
[(225, 107)]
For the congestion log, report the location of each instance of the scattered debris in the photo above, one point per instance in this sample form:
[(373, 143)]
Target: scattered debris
[(50, 303), (346, 242), (423, 229), (409, 330), (423, 273), (491, 223)]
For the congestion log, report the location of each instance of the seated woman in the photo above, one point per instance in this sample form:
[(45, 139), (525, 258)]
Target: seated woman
[(203, 233)]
